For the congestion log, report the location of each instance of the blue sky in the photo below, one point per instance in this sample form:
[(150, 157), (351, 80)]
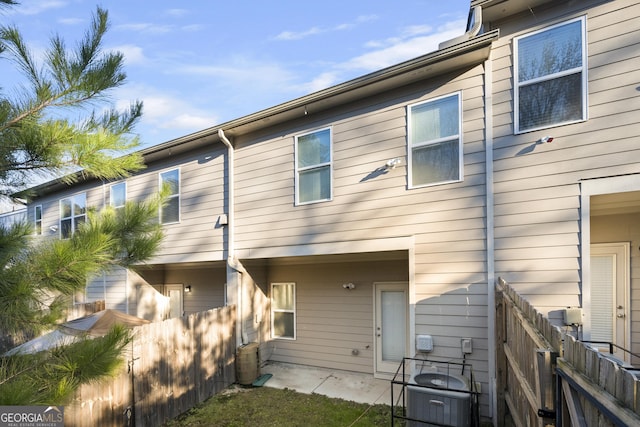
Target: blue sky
[(199, 63)]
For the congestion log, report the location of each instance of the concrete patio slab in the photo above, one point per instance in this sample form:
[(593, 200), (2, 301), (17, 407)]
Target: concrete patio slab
[(354, 386)]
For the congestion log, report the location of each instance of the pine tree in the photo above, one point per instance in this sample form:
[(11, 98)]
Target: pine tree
[(38, 139)]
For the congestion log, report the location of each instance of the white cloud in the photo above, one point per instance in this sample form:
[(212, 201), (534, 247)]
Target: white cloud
[(322, 81), (292, 35), (165, 111), (36, 7), (297, 35), (177, 12), (132, 54), (410, 44), (243, 72), (145, 27), (192, 28), (71, 21)]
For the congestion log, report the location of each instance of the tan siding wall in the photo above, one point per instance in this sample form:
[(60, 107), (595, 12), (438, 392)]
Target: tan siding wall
[(207, 286), (447, 222), (537, 186), (332, 321), (202, 192), (112, 288)]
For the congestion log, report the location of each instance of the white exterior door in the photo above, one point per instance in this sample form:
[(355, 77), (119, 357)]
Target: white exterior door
[(391, 326), (176, 299), (610, 296)]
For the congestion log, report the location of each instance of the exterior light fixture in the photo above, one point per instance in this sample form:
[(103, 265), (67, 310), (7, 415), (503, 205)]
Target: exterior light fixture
[(349, 286), (187, 289), (546, 139), (392, 163)]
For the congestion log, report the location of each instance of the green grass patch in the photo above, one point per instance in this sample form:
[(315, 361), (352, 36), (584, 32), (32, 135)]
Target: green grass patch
[(267, 406)]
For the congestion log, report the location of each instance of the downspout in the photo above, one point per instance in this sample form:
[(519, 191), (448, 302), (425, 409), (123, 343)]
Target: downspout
[(491, 272), (232, 262)]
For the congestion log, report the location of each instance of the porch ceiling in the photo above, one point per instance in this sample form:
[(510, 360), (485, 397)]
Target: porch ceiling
[(616, 203)]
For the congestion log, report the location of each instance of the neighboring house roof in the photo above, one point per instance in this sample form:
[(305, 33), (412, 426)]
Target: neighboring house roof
[(461, 55)]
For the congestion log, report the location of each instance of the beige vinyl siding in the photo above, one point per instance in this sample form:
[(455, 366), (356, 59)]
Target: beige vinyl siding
[(446, 221), (207, 286), (537, 204), (195, 238), (332, 321), (111, 287), (364, 202)]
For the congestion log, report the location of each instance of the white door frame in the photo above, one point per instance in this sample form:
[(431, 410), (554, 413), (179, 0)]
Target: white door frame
[(167, 293), (386, 369), (621, 298)]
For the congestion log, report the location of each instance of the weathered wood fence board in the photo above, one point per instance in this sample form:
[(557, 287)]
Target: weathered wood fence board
[(594, 391), (171, 367)]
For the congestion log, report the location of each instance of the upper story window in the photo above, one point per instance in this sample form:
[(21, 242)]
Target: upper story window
[(313, 166), (435, 141), (283, 310), (73, 212), (550, 69), (37, 219), (170, 212), (118, 195)]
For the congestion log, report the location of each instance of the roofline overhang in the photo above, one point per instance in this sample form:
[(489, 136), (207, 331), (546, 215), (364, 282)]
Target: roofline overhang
[(442, 61)]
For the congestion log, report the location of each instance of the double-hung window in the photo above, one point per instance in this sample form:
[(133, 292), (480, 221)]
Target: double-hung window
[(283, 310), (313, 166), (170, 182), (37, 219), (73, 212), (118, 195), (550, 73), (435, 141)]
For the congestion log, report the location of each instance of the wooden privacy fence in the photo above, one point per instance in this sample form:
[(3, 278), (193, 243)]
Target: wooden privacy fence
[(547, 378), (84, 309), (172, 366)]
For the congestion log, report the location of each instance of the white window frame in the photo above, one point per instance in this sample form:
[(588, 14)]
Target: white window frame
[(73, 217), (172, 196), (328, 164), (111, 198), (583, 69), (411, 145), (37, 222), (294, 311)]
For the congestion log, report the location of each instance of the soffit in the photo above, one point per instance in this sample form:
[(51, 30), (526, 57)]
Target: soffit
[(616, 203), (496, 10)]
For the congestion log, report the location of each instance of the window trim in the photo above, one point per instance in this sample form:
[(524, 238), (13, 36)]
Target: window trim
[(294, 311), (72, 217), (111, 202), (316, 166), (178, 195), (459, 136), (583, 84), (37, 222)]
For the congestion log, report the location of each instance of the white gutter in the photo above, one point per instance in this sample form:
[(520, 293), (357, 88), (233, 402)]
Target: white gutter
[(232, 262), (491, 269)]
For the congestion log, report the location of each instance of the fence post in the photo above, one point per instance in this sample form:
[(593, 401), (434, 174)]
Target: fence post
[(501, 361)]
